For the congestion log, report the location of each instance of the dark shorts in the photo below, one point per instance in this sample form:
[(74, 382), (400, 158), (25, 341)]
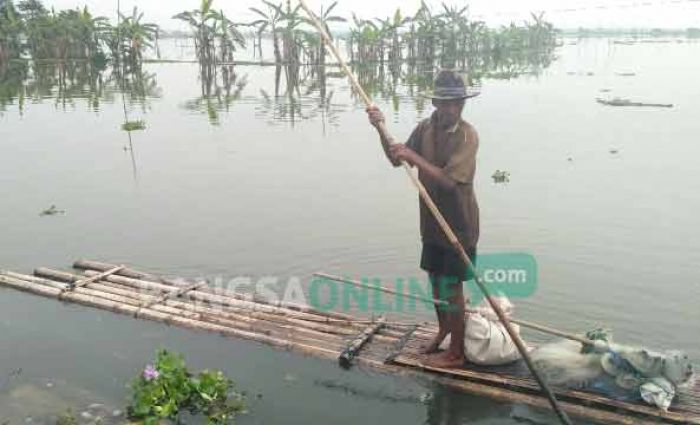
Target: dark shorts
[(446, 262)]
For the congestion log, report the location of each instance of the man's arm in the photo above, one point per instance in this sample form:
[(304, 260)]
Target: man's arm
[(432, 172), (459, 170), (376, 118)]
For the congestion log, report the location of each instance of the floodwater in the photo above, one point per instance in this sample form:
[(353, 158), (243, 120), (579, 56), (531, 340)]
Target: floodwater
[(255, 181)]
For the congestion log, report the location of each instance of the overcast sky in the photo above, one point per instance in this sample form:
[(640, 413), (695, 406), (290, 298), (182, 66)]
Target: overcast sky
[(563, 13)]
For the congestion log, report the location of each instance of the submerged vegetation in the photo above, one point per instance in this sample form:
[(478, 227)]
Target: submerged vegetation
[(28, 30), (71, 54)]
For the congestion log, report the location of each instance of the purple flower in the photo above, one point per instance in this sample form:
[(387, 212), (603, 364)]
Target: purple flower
[(150, 373)]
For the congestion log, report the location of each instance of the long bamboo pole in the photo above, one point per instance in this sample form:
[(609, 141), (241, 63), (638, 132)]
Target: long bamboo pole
[(523, 323), (454, 241)]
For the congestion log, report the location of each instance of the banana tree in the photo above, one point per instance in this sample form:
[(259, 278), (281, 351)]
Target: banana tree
[(137, 34), (291, 41), (390, 30), (325, 17), (453, 23), (268, 21), (90, 32), (10, 32), (201, 21), (228, 36)]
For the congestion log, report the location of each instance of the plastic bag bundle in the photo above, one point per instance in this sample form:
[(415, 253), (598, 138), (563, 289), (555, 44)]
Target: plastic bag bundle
[(486, 341)]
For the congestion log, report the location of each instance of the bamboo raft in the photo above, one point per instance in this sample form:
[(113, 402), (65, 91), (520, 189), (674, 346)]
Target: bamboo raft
[(383, 345)]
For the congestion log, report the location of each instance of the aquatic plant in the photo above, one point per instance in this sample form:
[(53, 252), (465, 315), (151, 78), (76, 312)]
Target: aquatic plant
[(67, 418), (501, 176), (134, 125), (52, 210), (166, 389)]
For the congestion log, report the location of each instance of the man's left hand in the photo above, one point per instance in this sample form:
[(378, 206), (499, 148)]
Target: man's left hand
[(401, 152)]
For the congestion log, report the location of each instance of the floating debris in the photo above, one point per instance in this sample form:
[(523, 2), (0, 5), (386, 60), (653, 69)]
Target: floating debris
[(614, 151), (617, 101), (134, 125), (570, 159), (605, 90), (52, 210), (626, 74), (501, 176)]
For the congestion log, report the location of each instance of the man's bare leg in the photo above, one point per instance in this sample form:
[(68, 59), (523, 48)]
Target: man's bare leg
[(440, 311), (454, 356)]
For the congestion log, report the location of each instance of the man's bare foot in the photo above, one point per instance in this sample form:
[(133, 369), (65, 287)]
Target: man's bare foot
[(433, 346), (445, 360)]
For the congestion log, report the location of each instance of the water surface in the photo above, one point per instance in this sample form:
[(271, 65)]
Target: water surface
[(241, 179)]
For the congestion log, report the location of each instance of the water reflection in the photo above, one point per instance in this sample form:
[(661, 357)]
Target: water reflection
[(220, 87), (445, 406), (306, 95), (67, 82), (294, 93)]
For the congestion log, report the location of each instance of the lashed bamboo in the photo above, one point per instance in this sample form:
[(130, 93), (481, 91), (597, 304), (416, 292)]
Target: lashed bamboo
[(121, 305), (131, 273), (479, 383), (245, 322), (148, 280), (278, 314)]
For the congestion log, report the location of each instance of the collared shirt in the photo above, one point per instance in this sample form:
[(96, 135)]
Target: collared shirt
[(453, 150)]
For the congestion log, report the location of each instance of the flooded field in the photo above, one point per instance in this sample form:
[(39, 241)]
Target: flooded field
[(264, 171)]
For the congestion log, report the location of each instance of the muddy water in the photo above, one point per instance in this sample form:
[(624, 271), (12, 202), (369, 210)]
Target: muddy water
[(243, 179)]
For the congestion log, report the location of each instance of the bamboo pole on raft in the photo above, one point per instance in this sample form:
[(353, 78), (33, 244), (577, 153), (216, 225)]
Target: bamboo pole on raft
[(523, 323), (384, 133)]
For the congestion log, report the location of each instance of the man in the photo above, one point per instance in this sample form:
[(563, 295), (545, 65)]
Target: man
[(443, 149)]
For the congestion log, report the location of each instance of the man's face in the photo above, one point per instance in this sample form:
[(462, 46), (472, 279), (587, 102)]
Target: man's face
[(448, 111)]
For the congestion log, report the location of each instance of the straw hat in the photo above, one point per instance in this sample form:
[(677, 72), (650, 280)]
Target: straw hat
[(449, 85)]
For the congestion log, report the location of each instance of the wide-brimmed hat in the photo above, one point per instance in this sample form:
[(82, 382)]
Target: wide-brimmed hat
[(449, 85)]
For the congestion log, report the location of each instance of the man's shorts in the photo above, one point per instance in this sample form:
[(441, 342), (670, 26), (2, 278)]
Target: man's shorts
[(441, 261)]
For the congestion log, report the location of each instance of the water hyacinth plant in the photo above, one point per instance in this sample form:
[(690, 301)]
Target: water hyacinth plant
[(166, 389)]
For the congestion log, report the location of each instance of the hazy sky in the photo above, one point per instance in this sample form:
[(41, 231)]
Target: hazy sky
[(563, 13)]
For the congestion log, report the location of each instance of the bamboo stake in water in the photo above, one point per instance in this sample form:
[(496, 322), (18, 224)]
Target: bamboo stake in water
[(384, 133)]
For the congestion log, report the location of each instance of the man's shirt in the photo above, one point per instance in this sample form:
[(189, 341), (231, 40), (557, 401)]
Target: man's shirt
[(453, 150)]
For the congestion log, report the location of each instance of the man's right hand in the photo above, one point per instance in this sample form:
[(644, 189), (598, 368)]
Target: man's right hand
[(375, 115)]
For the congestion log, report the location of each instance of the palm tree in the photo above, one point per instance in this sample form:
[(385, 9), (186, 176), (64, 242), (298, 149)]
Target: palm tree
[(269, 21)]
